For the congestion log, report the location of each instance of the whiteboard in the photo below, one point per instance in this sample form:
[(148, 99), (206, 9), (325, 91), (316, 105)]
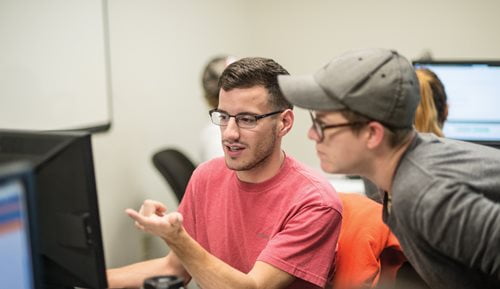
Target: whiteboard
[(54, 64)]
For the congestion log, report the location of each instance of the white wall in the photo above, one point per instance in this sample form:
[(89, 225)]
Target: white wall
[(157, 51), (304, 35), (53, 62), (158, 48)]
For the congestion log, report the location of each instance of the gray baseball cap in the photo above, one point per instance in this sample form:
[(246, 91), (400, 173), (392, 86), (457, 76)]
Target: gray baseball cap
[(377, 83)]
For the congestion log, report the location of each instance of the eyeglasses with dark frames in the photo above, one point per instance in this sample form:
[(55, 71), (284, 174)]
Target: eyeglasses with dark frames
[(320, 127), (243, 120)]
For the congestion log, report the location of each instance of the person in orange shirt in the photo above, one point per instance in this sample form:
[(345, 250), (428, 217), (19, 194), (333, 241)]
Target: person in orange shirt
[(368, 253)]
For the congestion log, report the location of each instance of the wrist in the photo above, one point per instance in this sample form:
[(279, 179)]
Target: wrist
[(176, 237)]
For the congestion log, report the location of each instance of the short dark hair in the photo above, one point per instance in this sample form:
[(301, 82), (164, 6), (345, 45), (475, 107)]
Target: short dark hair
[(253, 71), (396, 136)]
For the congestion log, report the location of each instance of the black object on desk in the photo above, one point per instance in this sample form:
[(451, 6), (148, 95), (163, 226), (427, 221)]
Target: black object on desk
[(164, 282)]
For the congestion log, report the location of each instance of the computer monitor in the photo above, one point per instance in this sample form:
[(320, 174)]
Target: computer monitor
[(67, 208), (19, 266), (473, 91)]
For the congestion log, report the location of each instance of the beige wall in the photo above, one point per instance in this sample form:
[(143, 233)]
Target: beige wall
[(158, 48)]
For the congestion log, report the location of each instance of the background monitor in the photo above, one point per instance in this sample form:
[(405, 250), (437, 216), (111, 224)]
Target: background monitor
[(473, 90), (18, 247), (68, 212)]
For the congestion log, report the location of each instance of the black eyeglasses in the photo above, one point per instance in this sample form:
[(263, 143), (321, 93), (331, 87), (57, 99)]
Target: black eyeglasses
[(319, 127), (243, 120)]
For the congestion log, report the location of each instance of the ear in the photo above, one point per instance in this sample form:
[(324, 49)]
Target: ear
[(286, 123), (376, 133)]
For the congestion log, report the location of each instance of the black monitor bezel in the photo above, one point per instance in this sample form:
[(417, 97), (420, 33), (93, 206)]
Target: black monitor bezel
[(54, 274)]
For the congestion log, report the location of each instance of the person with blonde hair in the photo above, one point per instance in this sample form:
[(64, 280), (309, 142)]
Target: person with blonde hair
[(432, 110)]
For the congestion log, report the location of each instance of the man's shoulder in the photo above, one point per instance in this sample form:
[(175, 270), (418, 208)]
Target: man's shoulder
[(432, 145), (313, 186), (442, 157), (306, 173)]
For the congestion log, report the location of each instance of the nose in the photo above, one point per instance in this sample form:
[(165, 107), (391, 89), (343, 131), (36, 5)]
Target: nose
[(313, 135), (231, 131)]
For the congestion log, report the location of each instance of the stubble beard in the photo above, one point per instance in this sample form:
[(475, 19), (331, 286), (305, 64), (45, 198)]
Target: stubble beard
[(262, 153)]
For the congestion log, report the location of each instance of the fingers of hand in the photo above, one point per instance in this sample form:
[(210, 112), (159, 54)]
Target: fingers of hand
[(163, 226), (137, 217), (139, 226), (147, 208), (150, 207), (174, 219)]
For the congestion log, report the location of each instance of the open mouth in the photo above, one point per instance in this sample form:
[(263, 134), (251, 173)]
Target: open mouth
[(234, 148)]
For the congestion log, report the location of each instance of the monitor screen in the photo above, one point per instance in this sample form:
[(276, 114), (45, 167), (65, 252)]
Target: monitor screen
[(67, 209), (473, 91), (18, 261)]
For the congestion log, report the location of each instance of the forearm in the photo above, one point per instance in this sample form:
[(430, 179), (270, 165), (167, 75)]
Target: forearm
[(208, 271), (212, 273), (132, 276)]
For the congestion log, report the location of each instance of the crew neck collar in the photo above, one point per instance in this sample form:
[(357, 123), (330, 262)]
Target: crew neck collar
[(269, 183)]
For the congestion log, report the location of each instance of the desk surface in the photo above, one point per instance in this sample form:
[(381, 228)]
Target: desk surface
[(346, 185)]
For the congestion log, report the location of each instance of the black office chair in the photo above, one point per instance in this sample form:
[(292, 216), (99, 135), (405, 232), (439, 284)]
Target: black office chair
[(176, 168)]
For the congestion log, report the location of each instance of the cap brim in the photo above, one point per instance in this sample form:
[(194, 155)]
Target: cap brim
[(303, 91)]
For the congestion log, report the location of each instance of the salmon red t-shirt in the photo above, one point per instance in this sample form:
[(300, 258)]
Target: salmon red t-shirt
[(291, 221)]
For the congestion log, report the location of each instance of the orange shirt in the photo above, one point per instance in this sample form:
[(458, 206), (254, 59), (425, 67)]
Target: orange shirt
[(368, 253)]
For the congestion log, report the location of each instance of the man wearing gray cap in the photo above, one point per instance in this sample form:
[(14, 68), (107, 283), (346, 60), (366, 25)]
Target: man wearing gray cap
[(441, 196)]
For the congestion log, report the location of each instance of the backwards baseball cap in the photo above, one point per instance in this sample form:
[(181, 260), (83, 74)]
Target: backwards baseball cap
[(377, 83)]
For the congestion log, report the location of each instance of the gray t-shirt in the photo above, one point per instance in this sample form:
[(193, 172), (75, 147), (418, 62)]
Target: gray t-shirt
[(445, 211)]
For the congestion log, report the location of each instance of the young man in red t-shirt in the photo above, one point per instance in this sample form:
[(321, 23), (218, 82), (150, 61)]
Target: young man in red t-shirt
[(255, 218)]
